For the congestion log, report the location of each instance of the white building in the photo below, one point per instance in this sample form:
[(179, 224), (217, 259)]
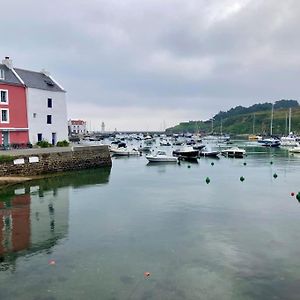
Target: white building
[(46, 107), (77, 127)]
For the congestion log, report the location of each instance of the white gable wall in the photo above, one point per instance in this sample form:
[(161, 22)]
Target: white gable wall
[(37, 108)]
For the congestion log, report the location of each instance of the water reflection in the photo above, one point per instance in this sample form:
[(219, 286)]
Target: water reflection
[(35, 216)]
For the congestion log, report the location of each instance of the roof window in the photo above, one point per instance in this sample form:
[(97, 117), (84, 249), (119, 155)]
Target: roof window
[(2, 74), (49, 82)]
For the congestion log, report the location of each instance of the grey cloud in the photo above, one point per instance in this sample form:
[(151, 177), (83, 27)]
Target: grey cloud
[(209, 55)]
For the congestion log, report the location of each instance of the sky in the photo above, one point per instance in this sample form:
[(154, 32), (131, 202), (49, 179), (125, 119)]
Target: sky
[(150, 64)]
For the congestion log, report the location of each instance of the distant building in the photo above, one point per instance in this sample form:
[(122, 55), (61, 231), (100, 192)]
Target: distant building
[(33, 106), (77, 127)]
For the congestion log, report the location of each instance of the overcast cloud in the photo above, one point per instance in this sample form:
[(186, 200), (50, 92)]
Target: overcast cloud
[(136, 64)]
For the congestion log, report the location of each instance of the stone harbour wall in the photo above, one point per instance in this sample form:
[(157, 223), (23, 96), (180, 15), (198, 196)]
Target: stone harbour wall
[(52, 160)]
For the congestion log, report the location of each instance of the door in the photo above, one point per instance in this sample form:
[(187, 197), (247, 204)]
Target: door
[(53, 138), (5, 139)]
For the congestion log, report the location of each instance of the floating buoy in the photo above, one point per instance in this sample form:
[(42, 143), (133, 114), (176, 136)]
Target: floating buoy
[(212, 163), (245, 164), (298, 196), (271, 163), (275, 175), (207, 180), (147, 274), (292, 194), (189, 166), (242, 178), (52, 262)]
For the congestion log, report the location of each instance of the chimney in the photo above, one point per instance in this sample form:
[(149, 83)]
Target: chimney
[(45, 72), (8, 62)]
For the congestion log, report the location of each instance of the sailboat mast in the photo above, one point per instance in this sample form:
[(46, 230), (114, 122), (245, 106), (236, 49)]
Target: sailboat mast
[(253, 126), (290, 119), (221, 127), (271, 126), (286, 123)]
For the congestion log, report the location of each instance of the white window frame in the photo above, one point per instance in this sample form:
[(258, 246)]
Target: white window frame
[(4, 103), (1, 121), (2, 74)]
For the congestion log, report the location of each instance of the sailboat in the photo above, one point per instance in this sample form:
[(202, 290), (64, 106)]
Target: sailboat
[(290, 139), (271, 141), (253, 136)]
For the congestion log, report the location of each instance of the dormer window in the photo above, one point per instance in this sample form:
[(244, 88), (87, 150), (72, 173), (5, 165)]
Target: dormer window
[(2, 75), (3, 97), (49, 82)]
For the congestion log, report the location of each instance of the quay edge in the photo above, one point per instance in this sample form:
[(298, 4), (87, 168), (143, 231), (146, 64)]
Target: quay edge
[(35, 162)]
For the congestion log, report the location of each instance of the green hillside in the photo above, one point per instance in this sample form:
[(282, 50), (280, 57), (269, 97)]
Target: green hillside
[(242, 120)]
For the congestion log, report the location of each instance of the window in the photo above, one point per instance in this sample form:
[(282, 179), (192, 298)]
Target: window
[(2, 74), (49, 119), (34, 115), (50, 102), (40, 137), (3, 96), (4, 116)]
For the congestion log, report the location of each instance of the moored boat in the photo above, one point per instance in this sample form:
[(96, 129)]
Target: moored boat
[(234, 152), (295, 149), (124, 152), (161, 157), (207, 152), (186, 153)]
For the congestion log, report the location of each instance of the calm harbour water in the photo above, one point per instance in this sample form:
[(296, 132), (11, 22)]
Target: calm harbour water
[(92, 234)]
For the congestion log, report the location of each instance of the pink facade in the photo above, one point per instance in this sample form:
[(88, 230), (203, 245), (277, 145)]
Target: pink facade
[(13, 115)]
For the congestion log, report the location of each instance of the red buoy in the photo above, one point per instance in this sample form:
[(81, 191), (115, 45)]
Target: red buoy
[(292, 194)]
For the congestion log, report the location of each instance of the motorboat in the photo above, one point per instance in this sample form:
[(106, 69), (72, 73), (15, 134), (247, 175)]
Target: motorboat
[(199, 147), (146, 148), (207, 152), (165, 143), (270, 142), (161, 156), (290, 140), (187, 152), (124, 152), (216, 138), (295, 149), (234, 152)]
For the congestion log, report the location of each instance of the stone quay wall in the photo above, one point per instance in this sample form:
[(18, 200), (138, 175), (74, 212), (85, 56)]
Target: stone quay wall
[(33, 162)]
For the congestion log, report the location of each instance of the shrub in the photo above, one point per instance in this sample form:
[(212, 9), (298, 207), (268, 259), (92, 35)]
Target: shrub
[(6, 158), (44, 144), (63, 143)]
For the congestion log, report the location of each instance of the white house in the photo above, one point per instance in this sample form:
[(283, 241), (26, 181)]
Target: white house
[(46, 107), (77, 126)]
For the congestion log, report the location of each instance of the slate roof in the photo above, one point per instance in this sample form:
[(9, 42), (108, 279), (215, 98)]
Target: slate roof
[(38, 80), (9, 76)]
